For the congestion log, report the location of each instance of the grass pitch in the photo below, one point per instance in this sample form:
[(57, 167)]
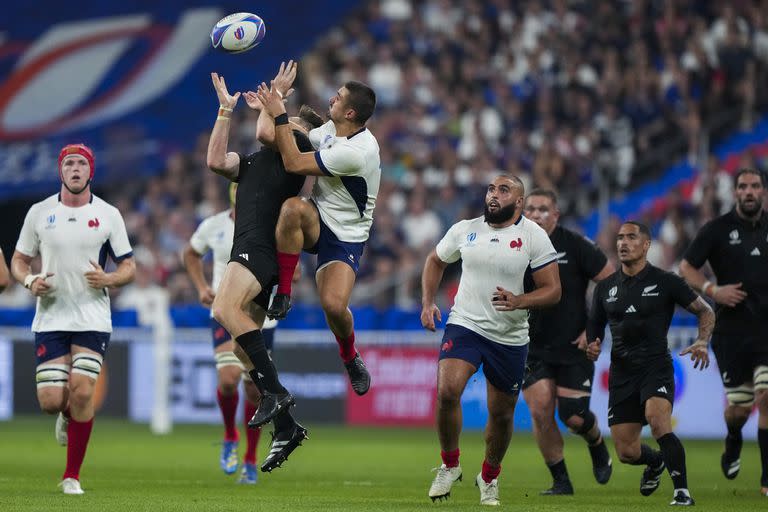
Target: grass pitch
[(349, 469)]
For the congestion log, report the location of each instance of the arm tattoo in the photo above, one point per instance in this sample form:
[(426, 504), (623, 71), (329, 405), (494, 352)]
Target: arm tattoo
[(706, 317)]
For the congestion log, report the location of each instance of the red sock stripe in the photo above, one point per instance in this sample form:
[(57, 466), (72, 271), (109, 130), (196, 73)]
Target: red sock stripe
[(228, 406), (251, 434), (450, 458), (490, 472), (78, 434), (347, 349), (286, 267)]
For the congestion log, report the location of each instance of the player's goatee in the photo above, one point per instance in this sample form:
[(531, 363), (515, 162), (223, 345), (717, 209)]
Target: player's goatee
[(500, 216)]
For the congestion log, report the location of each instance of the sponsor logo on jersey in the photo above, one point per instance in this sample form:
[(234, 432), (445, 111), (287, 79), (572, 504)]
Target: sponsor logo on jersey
[(244, 256), (612, 294), (631, 309), (93, 223), (516, 244), (51, 221), (755, 252), (734, 236)]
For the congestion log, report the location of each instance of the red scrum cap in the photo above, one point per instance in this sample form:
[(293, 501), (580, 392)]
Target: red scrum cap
[(77, 149)]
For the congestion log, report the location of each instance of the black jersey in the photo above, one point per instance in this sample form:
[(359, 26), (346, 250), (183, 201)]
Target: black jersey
[(737, 251), (553, 329), (263, 186), (639, 310)]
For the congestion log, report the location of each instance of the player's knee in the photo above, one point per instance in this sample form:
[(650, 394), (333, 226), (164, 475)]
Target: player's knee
[(575, 413), (627, 453), (448, 396), (334, 308), (290, 211), (80, 394), (501, 415), (219, 312), (50, 402), (660, 424)]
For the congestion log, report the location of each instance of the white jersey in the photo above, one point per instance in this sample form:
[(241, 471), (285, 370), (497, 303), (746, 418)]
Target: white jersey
[(347, 196), (67, 239), (216, 234), (493, 257)]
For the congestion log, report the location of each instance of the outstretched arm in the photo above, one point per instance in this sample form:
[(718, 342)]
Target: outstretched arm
[(220, 161)]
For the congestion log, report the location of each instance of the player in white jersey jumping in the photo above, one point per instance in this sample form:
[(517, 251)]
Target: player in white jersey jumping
[(73, 232), (336, 220), (216, 234), (488, 323)]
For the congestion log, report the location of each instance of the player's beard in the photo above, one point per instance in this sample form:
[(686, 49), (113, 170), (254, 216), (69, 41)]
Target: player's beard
[(500, 216), (750, 209)]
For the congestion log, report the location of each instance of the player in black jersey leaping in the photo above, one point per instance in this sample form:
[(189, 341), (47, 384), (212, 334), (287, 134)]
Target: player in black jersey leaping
[(243, 295), (638, 302)]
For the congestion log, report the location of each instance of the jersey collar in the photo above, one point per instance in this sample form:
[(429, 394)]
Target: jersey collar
[(761, 221), (90, 200), (361, 130), (640, 275)]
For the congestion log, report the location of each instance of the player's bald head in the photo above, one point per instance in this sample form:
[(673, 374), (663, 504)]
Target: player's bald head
[(514, 182)]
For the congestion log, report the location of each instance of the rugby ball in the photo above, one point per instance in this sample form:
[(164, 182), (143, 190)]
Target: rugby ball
[(238, 32)]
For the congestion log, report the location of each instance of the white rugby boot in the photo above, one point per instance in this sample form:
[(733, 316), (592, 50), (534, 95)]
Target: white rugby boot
[(444, 479)]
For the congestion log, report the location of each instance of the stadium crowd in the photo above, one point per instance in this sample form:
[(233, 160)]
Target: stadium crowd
[(571, 95)]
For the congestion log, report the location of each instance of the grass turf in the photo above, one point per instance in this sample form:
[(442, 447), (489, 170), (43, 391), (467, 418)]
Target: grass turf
[(350, 469)]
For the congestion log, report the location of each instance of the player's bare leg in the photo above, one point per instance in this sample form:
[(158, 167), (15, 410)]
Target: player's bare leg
[(540, 397), (452, 378), (498, 434), (53, 392), (761, 398), (630, 450), (229, 371), (232, 309), (298, 227), (334, 285), (85, 369), (658, 413), (573, 410)]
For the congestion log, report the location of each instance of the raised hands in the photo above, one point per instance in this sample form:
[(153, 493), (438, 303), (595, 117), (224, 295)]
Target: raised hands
[(226, 100)]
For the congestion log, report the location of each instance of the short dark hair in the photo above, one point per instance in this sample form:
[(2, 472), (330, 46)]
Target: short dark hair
[(642, 227), (514, 179), (748, 170), (312, 118), (361, 99), (545, 192)]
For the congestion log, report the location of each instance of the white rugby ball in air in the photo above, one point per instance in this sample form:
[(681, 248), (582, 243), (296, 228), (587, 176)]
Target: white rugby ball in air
[(238, 32)]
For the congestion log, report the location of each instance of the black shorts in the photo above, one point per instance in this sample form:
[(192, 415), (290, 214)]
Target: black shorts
[(738, 355), (261, 261), (577, 375), (628, 391)]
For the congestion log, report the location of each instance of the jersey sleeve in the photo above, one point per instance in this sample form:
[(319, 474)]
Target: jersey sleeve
[(316, 137), (118, 238), (341, 159), (449, 248), (698, 252), (591, 259), (199, 239), (597, 317), (29, 243), (682, 294), (542, 251)]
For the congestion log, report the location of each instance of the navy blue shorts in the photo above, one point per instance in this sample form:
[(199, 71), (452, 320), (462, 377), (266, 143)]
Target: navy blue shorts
[(52, 344), (503, 365), (219, 333), (329, 248)]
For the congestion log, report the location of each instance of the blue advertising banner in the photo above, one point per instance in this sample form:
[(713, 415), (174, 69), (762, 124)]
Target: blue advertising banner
[(131, 80)]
